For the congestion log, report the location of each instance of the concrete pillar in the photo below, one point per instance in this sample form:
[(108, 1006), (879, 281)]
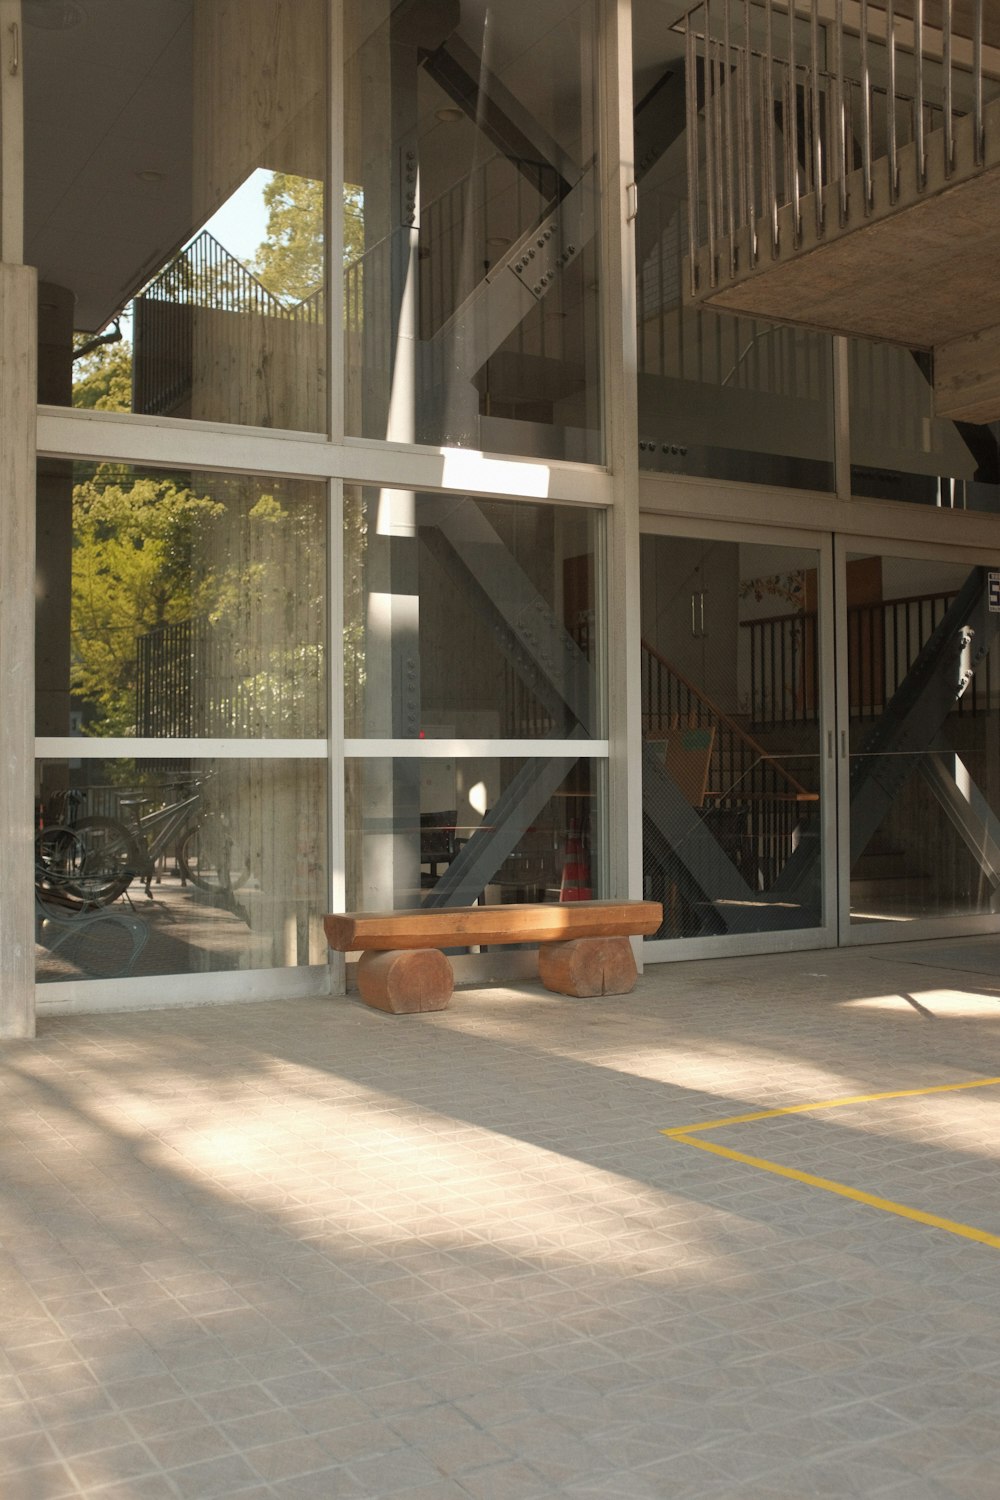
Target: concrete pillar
[(17, 585), (54, 530)]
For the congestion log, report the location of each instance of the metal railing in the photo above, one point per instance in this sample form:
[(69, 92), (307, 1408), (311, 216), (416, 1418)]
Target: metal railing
[(786, 101), (744, 777), (204, 275), (459, 235), (194, 678), (883, 641)]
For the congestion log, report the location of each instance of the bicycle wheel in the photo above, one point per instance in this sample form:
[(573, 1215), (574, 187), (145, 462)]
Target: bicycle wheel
[(57, 860), (207, 858), (106, 860)]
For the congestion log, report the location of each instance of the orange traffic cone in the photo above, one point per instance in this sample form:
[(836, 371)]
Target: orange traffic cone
[(575, 884)]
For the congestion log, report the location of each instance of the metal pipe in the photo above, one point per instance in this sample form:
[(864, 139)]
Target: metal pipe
[(977, 82), (742, 62), (748, 125), (949, 123), (691, 93), (769, 125), (890, 101), (817, 139), (708, 74), (866, 110), (727, 106), (918, 123), (840, 122), (792, 128), (766, 165), (721, 165)]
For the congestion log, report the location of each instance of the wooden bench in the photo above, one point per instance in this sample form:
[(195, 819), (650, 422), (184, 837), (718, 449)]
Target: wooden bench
[(584, 947)]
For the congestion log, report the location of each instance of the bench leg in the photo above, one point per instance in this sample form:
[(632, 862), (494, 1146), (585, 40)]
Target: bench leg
[(588, 966), (406, 980)]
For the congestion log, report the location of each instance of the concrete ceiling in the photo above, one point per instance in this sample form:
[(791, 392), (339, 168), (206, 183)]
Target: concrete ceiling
[(108, 167), (107, 100)]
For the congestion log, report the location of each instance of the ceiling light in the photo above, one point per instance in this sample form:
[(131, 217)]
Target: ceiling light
[(449, 114), (148, 175), (52, 15)]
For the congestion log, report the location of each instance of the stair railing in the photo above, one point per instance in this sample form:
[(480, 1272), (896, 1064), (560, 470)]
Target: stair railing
[(785, 115), (744, 777)]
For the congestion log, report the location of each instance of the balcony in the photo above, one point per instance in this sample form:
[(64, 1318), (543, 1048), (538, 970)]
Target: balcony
[(844, 175)]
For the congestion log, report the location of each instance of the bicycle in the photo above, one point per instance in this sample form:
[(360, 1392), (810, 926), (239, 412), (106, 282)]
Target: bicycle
[(92, 860)]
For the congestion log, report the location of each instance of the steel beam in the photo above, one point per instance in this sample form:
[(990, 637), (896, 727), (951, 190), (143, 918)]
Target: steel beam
[(499, 835)]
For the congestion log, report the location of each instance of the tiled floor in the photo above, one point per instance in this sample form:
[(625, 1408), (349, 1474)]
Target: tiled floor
[(304, 1249)]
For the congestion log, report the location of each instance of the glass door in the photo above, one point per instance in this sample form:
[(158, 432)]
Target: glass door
[(919, 741), (736, 702)]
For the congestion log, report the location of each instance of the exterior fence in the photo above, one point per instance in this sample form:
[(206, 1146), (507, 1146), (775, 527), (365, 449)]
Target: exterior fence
[(203, 276)]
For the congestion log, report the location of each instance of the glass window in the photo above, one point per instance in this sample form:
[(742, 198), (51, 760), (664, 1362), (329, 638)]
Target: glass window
[(175, 170), (472, 830), (471, 282), (469, 618), (720, 395), (901, 450), (179, 866), (732, 752), (180, 604), (923, 674)]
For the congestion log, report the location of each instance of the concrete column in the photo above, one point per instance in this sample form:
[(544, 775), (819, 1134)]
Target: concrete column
[(17, 587), (54, 530)]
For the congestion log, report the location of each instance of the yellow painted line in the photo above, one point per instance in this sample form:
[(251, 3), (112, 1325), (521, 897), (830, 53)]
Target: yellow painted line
[(798, 1109), (885, 1204)]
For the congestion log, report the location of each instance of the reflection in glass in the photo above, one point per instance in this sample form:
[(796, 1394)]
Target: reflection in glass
[(731, 720), (923, 661), (176, 215), (719, 395), (179, 867), (180, 604), (901, 450), (453, 832), (471, 288), (469, 618)]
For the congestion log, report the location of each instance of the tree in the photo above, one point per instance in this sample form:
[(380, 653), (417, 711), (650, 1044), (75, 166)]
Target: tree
[(102, 381), (139, 561), (290, 261)]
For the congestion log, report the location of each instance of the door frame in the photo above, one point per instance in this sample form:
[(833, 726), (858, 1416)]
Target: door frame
[(666, 950), (905, 930)]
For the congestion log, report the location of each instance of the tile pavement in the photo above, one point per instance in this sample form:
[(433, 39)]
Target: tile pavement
[(301, 1249)]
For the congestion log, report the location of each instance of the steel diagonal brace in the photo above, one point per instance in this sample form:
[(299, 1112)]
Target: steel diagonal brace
[(970, 814), (916, 714), (518, 282), (909, 725), (516, 809), (537, 644), (693, 855)]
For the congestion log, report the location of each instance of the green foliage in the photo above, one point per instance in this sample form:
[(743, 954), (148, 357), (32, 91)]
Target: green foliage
[(138, 562), (354, 223), (290, 261), (247, 568), (102, 381)]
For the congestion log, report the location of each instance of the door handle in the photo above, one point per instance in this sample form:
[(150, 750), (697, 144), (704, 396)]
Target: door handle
[(701, 601)]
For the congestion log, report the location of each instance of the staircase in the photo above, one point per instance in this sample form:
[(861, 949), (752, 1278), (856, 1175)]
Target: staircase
[(743, 830)]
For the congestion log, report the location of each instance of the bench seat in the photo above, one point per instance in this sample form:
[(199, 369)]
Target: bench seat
[(583, 946)]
